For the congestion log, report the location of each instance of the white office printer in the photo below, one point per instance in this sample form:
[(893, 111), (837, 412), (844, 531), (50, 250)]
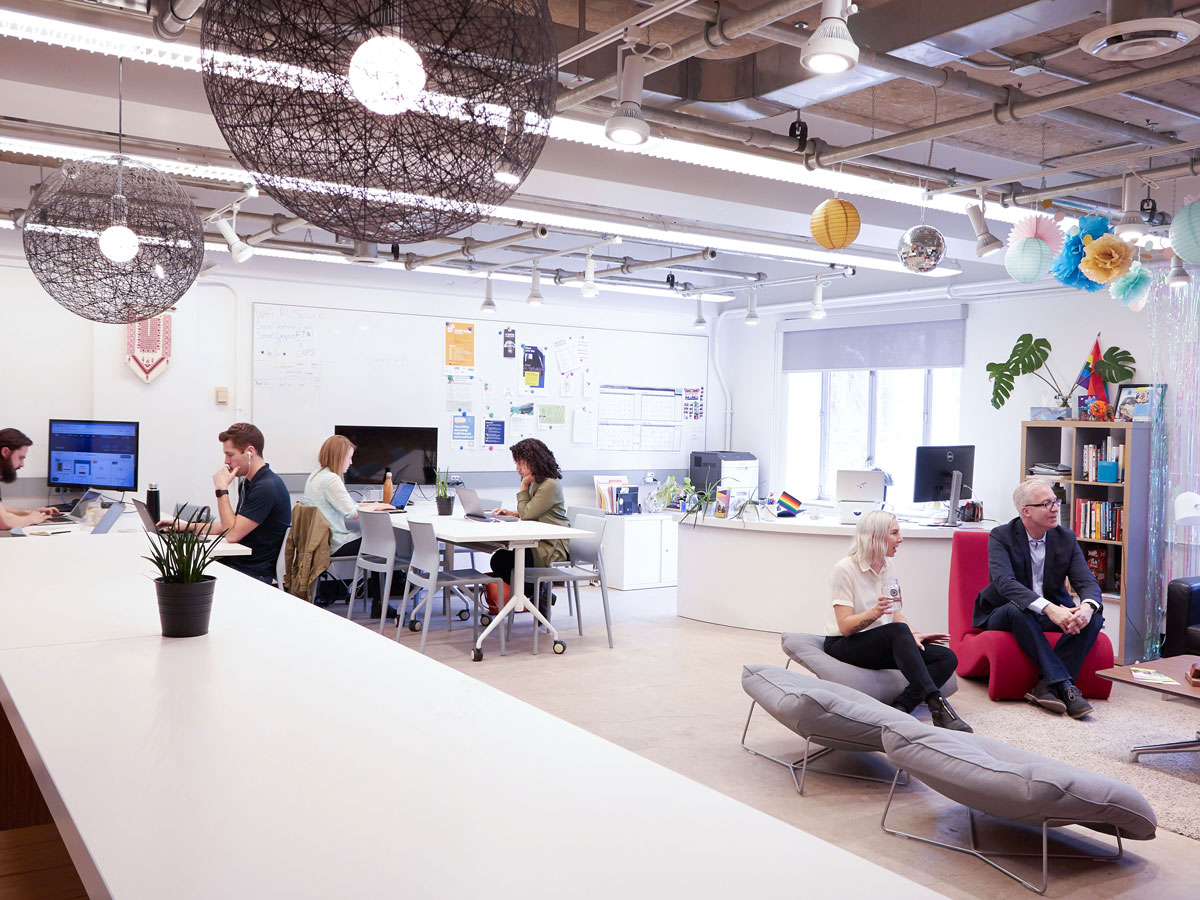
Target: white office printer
[(859, 492)]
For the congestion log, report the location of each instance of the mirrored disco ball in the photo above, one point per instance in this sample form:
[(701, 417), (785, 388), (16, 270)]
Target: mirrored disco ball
[(921, 248)]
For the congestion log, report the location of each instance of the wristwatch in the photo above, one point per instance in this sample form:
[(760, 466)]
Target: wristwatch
[(222, 493)]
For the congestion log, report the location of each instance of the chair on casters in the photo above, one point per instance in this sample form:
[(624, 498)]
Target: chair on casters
[(376, 553), (586, 564), (425, 574)]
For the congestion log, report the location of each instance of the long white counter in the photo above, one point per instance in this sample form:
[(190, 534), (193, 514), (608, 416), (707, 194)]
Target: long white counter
[(292, 754), (773, 575)]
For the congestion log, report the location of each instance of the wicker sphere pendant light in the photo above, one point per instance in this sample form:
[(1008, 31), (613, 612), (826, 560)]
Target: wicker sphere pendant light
[(379, 120)]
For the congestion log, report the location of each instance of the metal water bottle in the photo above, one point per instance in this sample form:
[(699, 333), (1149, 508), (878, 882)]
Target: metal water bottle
[(388, 488), (152, 506)]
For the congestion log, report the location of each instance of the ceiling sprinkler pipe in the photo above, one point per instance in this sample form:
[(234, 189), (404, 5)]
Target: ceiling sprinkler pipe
[(173, 16)]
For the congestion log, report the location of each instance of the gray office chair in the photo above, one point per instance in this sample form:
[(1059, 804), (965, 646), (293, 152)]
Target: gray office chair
[(425, 574), (586, 564), (376, 553), (573, 513)]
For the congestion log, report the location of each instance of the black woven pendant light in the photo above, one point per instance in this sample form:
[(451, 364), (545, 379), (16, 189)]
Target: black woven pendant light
[(391, 122), (113, 240)]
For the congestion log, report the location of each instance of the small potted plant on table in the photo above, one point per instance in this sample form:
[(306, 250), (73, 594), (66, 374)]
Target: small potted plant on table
[(184, 592), (445, 501)]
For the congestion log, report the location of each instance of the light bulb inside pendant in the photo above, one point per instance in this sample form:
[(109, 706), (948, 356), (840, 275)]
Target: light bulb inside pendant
[(386, 75)]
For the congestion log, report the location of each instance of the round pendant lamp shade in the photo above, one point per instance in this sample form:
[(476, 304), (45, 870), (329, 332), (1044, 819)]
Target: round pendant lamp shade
[(113, 243), (380, 120), (1028, 260), (835, 224), (1185, 233)]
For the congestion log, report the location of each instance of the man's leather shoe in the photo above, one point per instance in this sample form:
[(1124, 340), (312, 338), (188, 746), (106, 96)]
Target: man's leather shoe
[(944, 715), (1076, 706), (1041, 694)]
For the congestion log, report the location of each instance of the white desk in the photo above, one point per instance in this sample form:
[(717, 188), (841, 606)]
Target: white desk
[(773, 575), (208, 767), (458, 530)]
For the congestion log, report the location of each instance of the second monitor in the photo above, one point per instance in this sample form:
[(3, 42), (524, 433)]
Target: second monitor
[(409, 453), (941, 474)]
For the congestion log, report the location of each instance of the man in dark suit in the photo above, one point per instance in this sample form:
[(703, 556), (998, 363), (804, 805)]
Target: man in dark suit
[(1028, 561)]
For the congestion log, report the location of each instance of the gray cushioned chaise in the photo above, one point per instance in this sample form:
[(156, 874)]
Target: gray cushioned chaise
[(882, 684)]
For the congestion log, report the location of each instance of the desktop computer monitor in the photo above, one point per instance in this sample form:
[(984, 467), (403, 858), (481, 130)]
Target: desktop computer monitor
[(941, 474), (410, 453), (90, 454)]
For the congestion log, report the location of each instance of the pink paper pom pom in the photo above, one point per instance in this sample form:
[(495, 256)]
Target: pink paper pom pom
[(1042, 227), (1190, 198)]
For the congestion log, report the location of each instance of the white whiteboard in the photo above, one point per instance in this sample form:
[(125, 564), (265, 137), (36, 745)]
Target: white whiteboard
[(315, 368)]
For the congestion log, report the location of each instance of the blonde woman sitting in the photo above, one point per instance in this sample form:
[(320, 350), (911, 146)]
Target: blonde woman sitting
[(862, 628)]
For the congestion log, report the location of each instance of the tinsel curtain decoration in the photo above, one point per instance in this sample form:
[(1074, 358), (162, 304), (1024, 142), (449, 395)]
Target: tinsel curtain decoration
[(295, 103), (76, 204)]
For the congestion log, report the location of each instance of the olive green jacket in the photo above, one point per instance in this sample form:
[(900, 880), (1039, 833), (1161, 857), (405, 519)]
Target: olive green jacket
[(545, 504)]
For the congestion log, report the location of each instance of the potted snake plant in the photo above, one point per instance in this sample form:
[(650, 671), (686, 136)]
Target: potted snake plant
[(184, 592), (445, 500)]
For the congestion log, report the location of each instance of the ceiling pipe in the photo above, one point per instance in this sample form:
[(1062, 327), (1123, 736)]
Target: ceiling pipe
[(953, 81), (711, 37), (646, 17), (470, 248), (628, 267), (1166, 173), (832, 272), (1001, 114), (279, 226), (172, 17)]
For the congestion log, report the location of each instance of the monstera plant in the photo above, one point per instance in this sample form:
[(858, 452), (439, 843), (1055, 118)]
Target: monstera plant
[(1028, 357)]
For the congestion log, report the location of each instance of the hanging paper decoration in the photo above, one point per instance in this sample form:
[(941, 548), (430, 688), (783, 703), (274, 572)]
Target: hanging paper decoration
[(148, 346), (1041, 227), (835, 224), (1028, 259), (1066, 265), (1185, 233), (1106, 258), (1132, 288)]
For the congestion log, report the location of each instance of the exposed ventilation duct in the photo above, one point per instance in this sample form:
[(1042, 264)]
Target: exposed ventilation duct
[(1139, 29)]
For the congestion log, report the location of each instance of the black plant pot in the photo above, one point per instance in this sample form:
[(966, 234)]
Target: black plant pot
[(445, 505), (183, 609)]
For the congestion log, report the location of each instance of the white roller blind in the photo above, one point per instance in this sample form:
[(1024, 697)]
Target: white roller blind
[(908, 345)]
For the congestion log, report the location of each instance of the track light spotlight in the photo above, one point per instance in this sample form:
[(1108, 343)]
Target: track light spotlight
[(831, 49), (752, 308), (701, 323), (986, 243), (238, 249), (1178, 276), (488, 305), (535, 285), (817, 311), (1132, 225), (627, 126), (588, 288)]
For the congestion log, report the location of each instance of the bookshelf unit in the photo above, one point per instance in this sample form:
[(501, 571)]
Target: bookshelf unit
[(1114, 542)]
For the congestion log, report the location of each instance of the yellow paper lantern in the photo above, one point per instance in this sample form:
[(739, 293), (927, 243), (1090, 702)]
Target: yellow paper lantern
[(835, 224)]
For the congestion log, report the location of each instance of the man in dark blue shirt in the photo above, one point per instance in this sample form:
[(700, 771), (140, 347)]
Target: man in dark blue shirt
[(264, 510)]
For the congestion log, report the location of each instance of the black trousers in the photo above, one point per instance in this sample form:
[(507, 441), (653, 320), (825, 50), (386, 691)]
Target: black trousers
[(1061, 662), (892, 647), (504, 561)]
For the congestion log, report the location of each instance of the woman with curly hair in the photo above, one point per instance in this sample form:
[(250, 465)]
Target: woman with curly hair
[(540, 498)]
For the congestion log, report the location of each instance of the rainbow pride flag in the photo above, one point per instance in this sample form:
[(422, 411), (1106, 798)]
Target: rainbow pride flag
[(788, 505)]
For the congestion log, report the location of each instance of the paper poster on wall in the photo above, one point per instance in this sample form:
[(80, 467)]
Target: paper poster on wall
[(510, 343), (569, 384), (551, 414), (460, 395), (521, 425), (583, 430), (460, 348), (533, 366), (566, 353), (584, 348), (493, 431), (462, 432), (693, 403)]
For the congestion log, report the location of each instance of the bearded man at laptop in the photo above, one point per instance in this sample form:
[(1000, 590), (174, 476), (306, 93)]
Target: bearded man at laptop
[(264, 510), (13, 447)]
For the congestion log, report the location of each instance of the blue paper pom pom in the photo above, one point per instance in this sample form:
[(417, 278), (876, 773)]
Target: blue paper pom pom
[(1066, 265), (1132, 287)]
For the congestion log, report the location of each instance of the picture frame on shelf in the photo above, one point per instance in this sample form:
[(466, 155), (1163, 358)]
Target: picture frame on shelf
[(1135, 402)]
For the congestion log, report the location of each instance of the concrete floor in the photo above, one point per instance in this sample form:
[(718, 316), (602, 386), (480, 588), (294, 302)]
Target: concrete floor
[(671, 692)]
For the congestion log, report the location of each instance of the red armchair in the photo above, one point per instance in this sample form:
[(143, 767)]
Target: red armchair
[(1010, 672)]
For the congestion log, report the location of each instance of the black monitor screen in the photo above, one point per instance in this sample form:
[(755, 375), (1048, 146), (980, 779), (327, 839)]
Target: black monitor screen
[(93, 454), (936, 466), (410, 453)]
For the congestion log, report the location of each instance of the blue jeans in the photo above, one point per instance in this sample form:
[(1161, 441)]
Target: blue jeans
[(1061, 662)]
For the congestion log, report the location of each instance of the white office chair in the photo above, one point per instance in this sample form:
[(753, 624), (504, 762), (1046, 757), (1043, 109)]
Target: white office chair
[(425, 574), (376, 553), (586, 564), (281, 560)]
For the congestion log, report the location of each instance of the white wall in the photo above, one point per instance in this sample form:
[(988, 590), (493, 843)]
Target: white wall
[(1068, 319), (178, 413)]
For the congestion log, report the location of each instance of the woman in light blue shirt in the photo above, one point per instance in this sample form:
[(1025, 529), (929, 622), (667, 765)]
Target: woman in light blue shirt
[(326, 490)]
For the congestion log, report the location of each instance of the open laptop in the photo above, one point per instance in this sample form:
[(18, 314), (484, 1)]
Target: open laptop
[(857, 484), (76, 514), (151, 526), (400, 497), (473, 509)]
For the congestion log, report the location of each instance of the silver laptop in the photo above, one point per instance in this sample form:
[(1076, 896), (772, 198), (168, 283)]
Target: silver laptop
[(855, 484), (111, 516), (76, 514), (474, 509)]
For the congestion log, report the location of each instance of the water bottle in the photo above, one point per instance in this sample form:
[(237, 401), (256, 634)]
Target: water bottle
[(152, 502), (388, 488), (648, 493)]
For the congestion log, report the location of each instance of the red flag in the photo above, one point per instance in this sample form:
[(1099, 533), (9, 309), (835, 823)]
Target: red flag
[(1089, 378)]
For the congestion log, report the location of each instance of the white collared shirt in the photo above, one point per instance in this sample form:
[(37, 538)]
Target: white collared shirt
[(1037, 560), (856, 586)]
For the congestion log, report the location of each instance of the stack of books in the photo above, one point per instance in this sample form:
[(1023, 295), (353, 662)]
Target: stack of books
[(1051, 471)]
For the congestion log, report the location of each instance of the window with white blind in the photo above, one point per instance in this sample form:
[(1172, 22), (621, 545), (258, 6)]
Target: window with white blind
[(865, 397)]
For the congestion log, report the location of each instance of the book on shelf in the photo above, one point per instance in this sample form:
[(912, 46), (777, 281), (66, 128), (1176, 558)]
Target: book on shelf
[(1056, 470), (1102, 520), (1109, 450)]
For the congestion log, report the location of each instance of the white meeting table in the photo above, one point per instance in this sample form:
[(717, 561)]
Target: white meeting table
[(458, 530), (293, 754)]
